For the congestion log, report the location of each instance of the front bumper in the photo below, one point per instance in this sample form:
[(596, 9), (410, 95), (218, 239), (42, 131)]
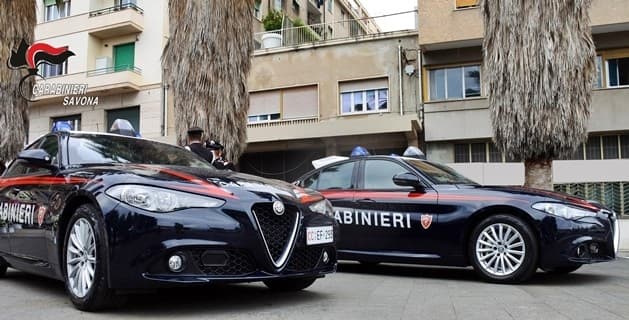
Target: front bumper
[(221, 245), (567, 242)]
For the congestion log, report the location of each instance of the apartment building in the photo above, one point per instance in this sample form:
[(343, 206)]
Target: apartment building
[(117, 47), (457, 122), (327, 97)]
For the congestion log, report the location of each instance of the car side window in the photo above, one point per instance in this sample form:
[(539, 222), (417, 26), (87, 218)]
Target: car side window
[(20, 167), (311, 182), (336, 177), (51, 145), (379, 174)]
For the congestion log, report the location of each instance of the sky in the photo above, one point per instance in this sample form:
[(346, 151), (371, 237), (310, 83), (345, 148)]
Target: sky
[(397, 22)]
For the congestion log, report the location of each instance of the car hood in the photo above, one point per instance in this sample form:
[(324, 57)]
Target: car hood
[(218, 183)]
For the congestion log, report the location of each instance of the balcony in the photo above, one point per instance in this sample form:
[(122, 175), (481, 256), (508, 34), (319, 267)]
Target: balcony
[(106, 81), (321, 33), (103, 23), (116, 21), (308, 128)]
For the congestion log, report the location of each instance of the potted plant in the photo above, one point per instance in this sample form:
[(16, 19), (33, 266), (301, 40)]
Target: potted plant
[(272, 23)]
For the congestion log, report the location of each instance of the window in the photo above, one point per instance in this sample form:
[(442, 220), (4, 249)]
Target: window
[(599, 72), (461, 152), (618, 72), (610, 147), (124, 3), (131, 114), (296, 6), (336, 177), (51, 145), (454, 83), (263, 118), (311, 182), (379, 174), (593, 148), (74, 120), (466, 3), (20, 167), (624, 146), (330, 6), (53, 70), (372, 100), (256, 9), (477, 152), (277, 5), (53, 12), (494, 154)]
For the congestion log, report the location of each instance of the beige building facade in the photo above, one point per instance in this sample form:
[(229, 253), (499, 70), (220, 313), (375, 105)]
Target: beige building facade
[(117, 47), (457, 121), (326, 98)]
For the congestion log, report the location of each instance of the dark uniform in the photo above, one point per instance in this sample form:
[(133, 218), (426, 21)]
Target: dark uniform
[(219, 162), (200, 150), (198, 147)]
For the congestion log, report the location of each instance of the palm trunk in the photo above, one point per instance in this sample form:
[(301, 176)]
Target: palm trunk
[(17, 22), (538, 174)]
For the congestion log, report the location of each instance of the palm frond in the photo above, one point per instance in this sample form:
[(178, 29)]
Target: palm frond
[(539, 68)]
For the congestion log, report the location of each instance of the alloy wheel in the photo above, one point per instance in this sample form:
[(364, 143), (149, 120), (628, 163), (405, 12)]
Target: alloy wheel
[(500, 249), (81, 258)]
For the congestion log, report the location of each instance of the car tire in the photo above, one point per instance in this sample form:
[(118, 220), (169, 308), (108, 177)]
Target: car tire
[(294, 284), (562, 270), (503, 249), (3, 267), (86, 255)]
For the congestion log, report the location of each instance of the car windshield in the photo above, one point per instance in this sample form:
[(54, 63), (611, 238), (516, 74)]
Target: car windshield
[(103, 149), (439, 174)]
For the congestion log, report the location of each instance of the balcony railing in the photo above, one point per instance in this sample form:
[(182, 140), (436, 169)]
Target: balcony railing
[(322, 32), (282, 123), (101, 71), (116, 9)]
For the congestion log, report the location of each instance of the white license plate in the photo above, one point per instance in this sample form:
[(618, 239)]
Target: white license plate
[(319, 235)]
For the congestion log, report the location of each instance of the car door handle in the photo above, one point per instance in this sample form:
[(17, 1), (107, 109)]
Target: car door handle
[(366, 200)]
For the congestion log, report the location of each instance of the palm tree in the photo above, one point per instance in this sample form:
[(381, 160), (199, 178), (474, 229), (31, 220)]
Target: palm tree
[(17, 21), (206, 63), (538, 62)]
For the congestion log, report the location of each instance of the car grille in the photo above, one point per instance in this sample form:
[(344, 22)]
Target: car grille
[(237, 263), (277, 230), (304, 259)]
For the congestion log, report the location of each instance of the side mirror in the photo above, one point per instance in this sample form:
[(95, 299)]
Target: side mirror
[(408, 179), (36, 157)]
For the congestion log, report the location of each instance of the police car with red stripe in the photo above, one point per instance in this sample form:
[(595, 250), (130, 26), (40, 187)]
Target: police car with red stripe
[(403, 209), (108, 213)]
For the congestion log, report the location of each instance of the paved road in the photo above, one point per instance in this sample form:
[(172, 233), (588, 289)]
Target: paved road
[(384, 292)]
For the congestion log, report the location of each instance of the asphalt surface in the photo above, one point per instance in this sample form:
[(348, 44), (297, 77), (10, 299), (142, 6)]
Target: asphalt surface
[(598, 291)]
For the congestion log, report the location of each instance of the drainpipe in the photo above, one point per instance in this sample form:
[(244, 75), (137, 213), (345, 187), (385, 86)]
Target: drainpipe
[(399, 55), (420, 85), (164, 110)]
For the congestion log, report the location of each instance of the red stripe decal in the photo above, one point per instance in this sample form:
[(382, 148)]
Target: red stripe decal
[(201, 186), (39, 180)]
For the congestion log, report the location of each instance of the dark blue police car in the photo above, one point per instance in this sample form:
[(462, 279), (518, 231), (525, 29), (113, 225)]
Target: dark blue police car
[(106, 213), (406, 210)]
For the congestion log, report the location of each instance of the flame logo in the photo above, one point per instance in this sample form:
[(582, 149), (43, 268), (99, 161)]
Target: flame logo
[(30, 57)]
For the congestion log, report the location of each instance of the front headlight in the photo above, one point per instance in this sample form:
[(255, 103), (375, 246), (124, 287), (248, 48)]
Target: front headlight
[(323, 207), (563, 210), (160, 199)]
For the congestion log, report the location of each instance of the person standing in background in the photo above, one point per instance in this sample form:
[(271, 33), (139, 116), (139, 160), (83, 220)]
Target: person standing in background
[(217, 156), (195, 135)]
